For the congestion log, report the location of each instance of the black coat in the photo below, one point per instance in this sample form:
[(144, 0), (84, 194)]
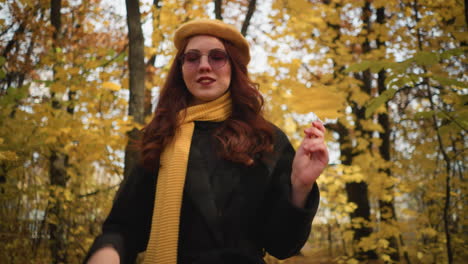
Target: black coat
[(230, 213)]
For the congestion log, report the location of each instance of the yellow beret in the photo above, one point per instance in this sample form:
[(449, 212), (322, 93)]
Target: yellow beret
[(215, 28)]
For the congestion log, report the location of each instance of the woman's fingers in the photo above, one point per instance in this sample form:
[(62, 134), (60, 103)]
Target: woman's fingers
[(319, 125), (312, 132), (316, 148), (311, 144), (314, 139)]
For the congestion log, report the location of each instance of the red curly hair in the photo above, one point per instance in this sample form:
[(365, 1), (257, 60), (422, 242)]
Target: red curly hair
[(242, 137)]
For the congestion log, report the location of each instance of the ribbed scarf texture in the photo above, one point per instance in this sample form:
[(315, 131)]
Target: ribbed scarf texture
[(164, 235)]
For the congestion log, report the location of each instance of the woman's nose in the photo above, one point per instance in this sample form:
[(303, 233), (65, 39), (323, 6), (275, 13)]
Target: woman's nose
[(204, 64)]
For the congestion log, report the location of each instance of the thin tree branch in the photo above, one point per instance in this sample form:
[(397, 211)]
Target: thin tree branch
[(250, 11), (447, 180), (451, 118), (218, 9), (13, 40), (7, 29), (98, 191), (55, 17), (152, 60)]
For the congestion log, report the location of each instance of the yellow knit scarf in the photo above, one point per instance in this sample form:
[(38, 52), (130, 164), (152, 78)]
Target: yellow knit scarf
[(163, 241)]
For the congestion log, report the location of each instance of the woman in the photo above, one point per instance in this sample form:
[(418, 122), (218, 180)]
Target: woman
[(217, 183)]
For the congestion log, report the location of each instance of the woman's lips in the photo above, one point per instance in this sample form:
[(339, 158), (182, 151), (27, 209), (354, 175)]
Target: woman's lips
[(205, 80)]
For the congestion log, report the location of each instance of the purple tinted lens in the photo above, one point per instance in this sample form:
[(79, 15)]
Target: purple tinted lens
[(191, 58), (216, 59)]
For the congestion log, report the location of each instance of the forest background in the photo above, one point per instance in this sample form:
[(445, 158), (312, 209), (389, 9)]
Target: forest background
[(79, 78)]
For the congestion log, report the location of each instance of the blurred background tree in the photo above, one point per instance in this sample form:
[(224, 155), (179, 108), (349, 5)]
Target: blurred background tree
[(387, 77)]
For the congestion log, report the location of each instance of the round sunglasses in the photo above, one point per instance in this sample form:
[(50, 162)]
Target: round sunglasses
[(217, 58)]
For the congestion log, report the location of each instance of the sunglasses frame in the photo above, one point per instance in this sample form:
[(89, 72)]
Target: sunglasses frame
[(194, 65)]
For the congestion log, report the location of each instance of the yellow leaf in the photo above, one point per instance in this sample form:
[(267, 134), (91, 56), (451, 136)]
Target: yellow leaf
[(290, 126), (65, 130), (348, 235), (350, 207), (299, 5), (370, 125), (325, 103), (8, 155), (57, 87), (73, 70), (359, 96), (420, 255), (431, 232), (68, 195), (386, 258), (51, 140), (383, 243), (150, 50), (111, 86)]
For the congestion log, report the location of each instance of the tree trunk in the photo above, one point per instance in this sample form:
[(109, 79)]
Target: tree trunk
[(58, 180), (55, 17), (58, 164), (358, 191), (218, 9), (387, 208), (448, 167), (466, 12), (136, 66), (357, 194)]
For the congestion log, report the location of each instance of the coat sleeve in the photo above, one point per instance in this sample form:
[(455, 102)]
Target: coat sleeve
[(287, 227), (128, 224)]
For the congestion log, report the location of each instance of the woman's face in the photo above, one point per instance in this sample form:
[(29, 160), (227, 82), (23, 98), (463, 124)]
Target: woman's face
[(206, 69)]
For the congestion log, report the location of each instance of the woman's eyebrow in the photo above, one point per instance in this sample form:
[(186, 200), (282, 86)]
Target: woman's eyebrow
[(197, 50)]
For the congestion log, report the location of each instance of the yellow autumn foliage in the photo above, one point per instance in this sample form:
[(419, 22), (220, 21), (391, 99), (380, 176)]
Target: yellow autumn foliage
[(111, 86), (68, 97)]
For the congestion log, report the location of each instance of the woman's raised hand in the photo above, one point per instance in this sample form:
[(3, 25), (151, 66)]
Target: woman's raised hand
[(310, 161)]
